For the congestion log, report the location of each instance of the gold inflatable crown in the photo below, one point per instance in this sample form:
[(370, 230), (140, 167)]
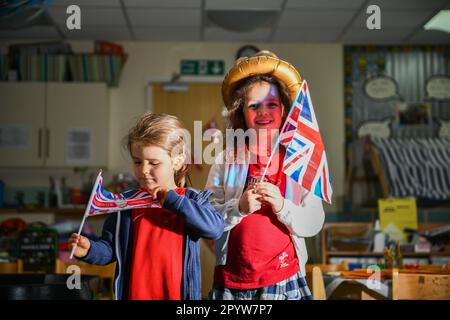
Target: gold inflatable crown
[(264, 62)]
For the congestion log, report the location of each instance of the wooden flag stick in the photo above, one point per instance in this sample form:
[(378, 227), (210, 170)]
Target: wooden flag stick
[(270, 158), (88, 208)]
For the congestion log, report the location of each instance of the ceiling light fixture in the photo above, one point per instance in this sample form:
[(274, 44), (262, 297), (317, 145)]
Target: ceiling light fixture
[(241, 20), (441, 21)]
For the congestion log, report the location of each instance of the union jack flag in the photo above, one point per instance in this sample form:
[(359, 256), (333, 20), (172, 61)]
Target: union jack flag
[(305, 161), (104, 201)]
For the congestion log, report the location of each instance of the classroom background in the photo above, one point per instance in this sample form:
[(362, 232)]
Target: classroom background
[(75, 75)]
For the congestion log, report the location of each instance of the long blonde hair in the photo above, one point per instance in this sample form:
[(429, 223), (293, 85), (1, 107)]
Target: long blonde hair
[(164, 131)]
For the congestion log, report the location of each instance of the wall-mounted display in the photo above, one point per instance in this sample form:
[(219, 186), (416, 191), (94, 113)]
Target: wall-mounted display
[(375, 129), (381, 88), (438, 87)]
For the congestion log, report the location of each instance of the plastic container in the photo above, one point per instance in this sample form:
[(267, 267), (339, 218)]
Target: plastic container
[(378, 241)]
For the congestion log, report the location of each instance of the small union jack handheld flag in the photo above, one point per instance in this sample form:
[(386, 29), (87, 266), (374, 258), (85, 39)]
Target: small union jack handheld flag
[(103, 202), (108, 202)]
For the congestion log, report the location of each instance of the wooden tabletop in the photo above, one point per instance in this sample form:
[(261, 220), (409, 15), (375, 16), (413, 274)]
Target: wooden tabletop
[(387, 273)]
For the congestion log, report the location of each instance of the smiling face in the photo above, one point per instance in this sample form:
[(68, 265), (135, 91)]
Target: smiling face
[(153, 166), (263, 108)]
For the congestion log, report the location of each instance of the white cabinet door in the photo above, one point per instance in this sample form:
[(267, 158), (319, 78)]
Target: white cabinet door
[(76, 124), (22, 113)]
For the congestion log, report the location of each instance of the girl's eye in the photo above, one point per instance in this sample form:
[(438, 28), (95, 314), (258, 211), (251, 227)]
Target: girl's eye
[(154, 163), (273, 105), (253, 106)]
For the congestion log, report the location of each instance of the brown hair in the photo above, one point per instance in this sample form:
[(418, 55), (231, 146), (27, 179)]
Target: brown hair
[(164, 131), (236, 113)]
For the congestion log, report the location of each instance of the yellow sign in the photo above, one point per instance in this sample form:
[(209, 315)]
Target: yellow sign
[(396, 214)]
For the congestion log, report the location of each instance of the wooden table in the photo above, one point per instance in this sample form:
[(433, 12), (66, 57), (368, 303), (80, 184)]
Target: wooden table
[(369, 284)]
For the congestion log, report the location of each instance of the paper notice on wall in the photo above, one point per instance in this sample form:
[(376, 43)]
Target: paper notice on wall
[(15, 136), (78, 146), (396, 214)]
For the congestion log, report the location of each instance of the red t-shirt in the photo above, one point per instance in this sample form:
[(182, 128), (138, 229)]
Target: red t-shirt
[(260, 248), (156, 271)]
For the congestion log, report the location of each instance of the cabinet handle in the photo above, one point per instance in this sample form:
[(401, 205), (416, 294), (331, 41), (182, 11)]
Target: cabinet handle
[(47, 143), (40, 142)]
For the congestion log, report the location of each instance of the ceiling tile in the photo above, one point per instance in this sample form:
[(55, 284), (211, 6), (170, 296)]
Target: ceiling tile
[(386, 35), (217, 34), (167, 34), (325, 4), (315, 18), (164, 17), (243, 4), (240, 20), (396, 18), (307, 34), (407, 4), (163, 4), (36, 32), (91, 16), (98, 33)]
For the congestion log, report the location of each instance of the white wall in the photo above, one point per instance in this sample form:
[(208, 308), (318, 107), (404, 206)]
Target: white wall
[(320, 64)]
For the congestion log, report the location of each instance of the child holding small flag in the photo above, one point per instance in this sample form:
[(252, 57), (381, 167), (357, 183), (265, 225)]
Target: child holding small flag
[(156, 249), (267, 214)]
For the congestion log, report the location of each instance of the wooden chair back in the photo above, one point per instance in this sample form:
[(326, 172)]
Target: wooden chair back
[(318, 286), (11, 267)]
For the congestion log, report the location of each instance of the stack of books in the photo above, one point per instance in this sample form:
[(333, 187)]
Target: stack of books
[(54, 61), (93, 67), (44, 61), (43, 67)]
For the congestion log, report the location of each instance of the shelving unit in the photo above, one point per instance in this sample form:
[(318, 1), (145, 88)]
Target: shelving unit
[(357, 229), (56, 61), (82, 67)]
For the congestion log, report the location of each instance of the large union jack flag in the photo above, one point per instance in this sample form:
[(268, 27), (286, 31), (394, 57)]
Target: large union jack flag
[(104, 201), (305, 161)]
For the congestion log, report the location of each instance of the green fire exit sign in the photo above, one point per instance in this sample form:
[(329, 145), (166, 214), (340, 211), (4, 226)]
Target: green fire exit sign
[(202, 67)]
